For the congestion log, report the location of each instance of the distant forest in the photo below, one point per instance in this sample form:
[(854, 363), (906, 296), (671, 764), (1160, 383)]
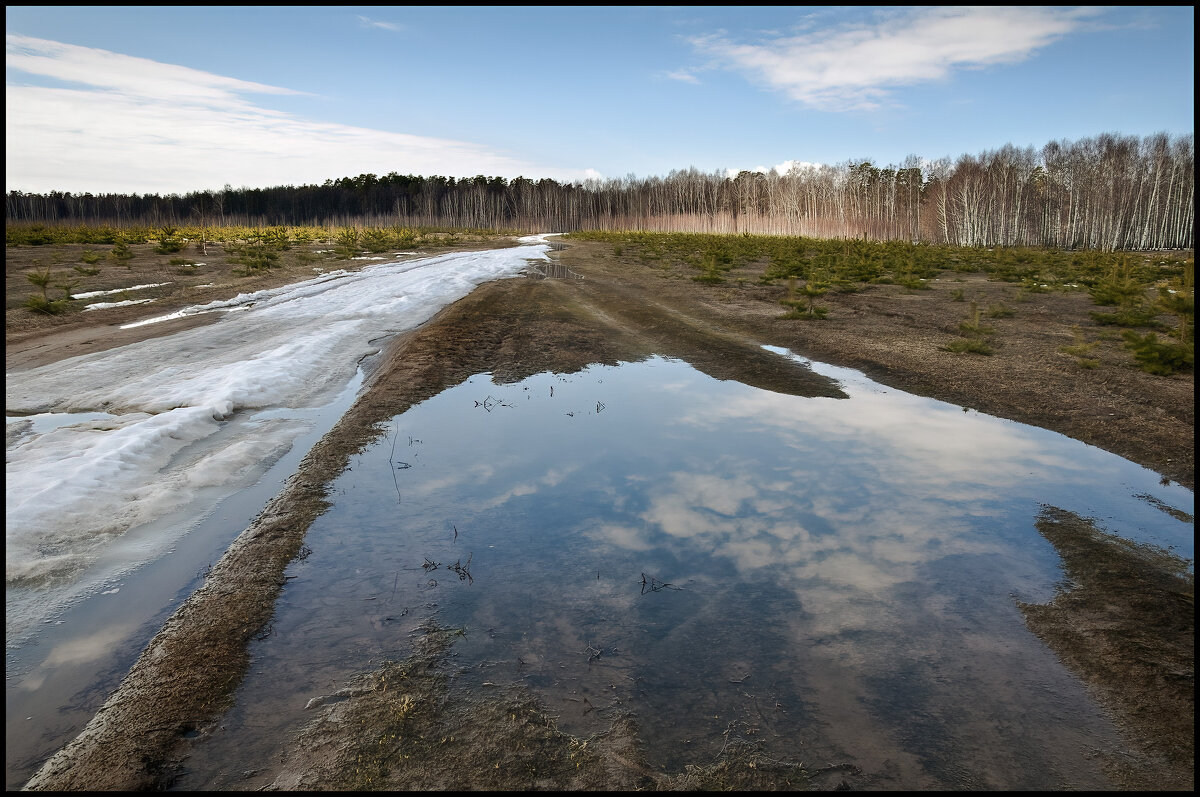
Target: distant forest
[(1110, 193)]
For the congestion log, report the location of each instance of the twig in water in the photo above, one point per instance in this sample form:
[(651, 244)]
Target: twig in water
[(391, 458), (464, 571), (654, 585), (491, 402)]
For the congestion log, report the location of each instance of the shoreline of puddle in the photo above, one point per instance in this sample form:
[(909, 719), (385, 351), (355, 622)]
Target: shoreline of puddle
[(479, 657)]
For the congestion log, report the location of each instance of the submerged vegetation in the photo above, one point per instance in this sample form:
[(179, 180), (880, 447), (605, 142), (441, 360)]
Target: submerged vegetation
[(408, 725)]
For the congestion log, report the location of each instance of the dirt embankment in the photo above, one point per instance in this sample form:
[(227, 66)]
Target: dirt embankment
[(621, 310)]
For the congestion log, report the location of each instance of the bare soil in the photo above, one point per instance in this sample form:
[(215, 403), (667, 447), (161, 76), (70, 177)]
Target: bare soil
[(211, 273), (602, 308), (407, 726), (1126, 623)]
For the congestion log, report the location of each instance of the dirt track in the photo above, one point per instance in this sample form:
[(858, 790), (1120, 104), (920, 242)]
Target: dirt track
[(624, 310), (894, 335)]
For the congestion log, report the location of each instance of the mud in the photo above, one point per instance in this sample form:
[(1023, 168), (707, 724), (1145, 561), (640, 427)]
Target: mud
[(407, 726), (623, 310), (1125, 621)]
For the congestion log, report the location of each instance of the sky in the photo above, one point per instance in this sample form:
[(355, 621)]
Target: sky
[(177, 99)]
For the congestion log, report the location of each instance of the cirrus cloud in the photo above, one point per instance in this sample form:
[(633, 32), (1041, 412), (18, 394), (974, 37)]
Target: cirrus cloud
[(122, 124), (855, 67), (367, 22)]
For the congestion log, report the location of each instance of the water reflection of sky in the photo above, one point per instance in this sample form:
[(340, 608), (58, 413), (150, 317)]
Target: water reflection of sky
[(850, 564)]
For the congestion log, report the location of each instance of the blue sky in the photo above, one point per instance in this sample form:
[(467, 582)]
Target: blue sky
[(174, 99)]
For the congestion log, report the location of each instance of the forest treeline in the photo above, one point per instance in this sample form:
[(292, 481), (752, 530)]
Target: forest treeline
[(1110, 192)]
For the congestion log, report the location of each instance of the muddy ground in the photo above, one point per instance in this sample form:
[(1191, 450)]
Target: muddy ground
[(599, 307)]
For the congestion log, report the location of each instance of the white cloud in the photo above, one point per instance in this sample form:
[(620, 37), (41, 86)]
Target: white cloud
[(793, 165), (683, 76), (782, 168), (133, 125), (371, 23), (125, 74), (854, 67)]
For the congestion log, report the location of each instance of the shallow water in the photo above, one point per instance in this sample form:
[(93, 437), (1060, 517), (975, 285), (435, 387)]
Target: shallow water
[(130, 470), (59, 672), (164, 422), (836, 578)]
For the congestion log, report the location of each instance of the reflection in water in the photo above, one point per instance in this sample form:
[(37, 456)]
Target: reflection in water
[(843, 573), (551, 270)]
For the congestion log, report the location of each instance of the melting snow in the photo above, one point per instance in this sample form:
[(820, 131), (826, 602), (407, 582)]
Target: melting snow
[(179, 410), (106, 305), (92, 294)]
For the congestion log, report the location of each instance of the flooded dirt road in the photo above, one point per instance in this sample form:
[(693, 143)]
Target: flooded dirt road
[(515, 329)]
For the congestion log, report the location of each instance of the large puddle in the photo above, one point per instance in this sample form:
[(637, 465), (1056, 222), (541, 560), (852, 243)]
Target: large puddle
[(835, 578)]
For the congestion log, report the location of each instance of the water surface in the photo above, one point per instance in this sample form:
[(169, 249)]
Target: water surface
[(837, 578)]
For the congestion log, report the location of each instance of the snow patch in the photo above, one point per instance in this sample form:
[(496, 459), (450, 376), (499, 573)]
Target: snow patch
[(107, 305), (179, 421), (93, 294)]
